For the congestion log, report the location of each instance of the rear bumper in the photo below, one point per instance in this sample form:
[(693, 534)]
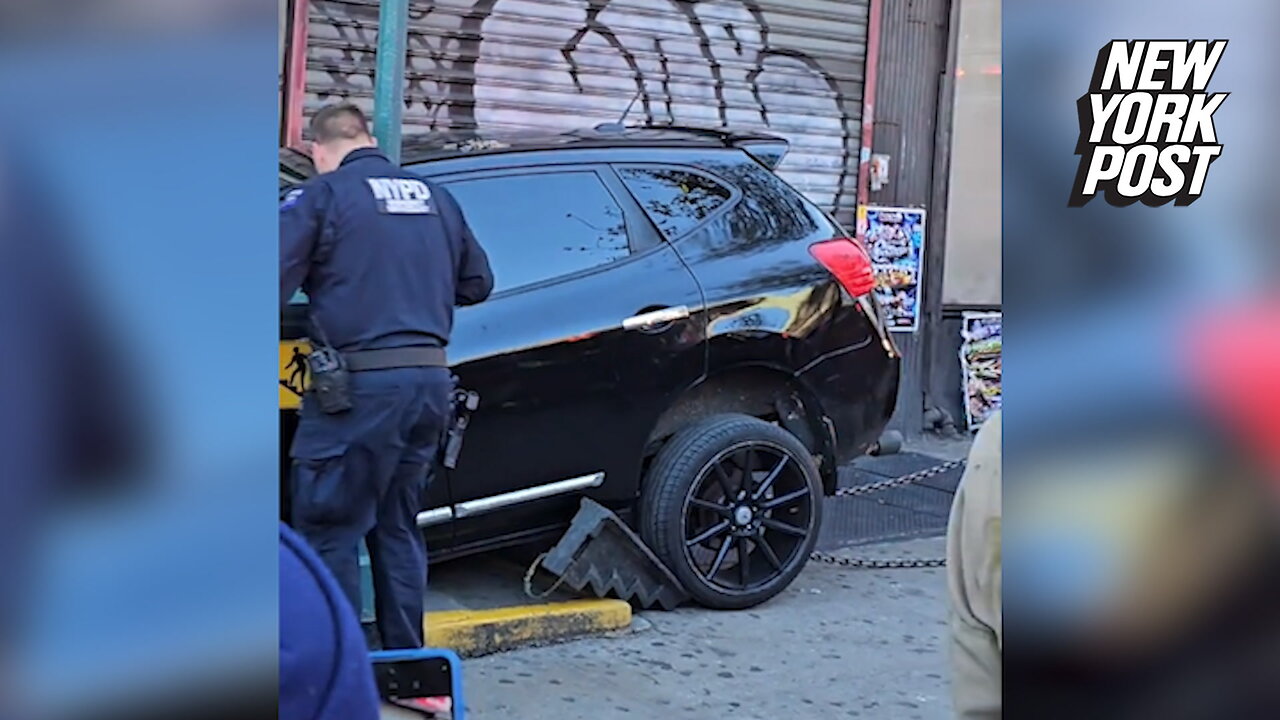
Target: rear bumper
[(857, 392)]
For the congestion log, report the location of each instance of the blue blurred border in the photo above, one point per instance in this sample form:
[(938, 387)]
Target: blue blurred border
[(159, 151)]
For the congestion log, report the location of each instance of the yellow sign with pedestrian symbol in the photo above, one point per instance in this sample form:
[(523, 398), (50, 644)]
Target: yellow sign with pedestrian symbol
[(293, 373)]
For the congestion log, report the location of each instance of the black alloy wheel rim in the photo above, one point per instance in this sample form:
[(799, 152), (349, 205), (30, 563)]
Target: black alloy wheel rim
[(747, 517)]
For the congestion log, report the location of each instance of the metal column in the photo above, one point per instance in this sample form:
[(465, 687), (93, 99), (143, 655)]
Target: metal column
[(295, 85), (911, 62), (875, 18), (388, 87), (933, 343)]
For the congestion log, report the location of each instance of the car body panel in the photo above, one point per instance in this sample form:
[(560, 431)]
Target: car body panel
[(770, 303), (567, 391)]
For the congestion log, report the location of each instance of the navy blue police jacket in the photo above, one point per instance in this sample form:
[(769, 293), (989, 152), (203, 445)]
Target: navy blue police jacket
[(383, 255)]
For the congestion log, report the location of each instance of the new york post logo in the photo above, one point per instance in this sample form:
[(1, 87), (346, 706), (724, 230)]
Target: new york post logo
[(1146, 125)]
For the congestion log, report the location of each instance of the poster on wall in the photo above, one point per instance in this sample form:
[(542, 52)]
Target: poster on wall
[(895, 239), (981, 339)]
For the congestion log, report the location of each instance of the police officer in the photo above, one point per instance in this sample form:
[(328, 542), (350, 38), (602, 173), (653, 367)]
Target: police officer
[(383, 256)]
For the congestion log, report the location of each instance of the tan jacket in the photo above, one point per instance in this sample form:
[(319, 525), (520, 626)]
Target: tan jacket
[(973, 580)]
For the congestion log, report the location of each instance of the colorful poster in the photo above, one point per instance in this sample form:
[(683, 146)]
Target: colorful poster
[(981, 340), (895, 239)]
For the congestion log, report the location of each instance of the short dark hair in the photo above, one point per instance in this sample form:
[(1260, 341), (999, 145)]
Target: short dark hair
[(339, 122)]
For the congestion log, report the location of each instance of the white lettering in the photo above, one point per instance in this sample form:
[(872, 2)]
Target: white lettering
[(1168, 114), (1153, 136), (1198, 64), (1204, 156), (1155, 61), (1171, 161), (1132, 118), (381, 188), (1101, 113), (1128, 185), (1098, 172), (1121, 71), (1199, 123)]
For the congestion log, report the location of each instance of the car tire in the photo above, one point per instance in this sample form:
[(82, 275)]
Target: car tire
[(694, 503)]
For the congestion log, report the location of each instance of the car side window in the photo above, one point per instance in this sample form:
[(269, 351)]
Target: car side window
[(676, 200), (770, 211), (539, 226)]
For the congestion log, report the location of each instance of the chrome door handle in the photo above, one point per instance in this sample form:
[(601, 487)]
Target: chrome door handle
[(657, 317)]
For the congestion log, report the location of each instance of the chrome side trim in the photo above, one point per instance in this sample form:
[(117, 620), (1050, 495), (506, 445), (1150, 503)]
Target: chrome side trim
[(435, 516), (517, 497)]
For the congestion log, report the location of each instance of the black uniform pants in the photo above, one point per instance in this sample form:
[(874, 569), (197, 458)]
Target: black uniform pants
[(363, 474)]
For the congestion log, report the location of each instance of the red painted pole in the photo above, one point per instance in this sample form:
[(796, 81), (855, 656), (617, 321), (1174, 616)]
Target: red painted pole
[(872, 67), (295, 88)]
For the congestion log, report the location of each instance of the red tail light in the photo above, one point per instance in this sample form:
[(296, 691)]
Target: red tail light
[(849, 262)]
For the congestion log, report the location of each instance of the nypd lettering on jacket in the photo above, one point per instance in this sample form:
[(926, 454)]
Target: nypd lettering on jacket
[(401, 196)]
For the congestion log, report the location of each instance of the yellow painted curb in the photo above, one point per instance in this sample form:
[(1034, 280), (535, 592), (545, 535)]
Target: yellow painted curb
[(480, 632)]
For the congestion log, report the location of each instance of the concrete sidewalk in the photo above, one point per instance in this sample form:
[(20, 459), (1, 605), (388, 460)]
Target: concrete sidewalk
[(478, 605), (839, 643)]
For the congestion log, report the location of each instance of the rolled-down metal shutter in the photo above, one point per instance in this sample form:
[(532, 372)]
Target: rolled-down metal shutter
[(791, 67)]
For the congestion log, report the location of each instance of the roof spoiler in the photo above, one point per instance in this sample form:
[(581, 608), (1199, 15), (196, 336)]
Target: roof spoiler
[(769, 151)]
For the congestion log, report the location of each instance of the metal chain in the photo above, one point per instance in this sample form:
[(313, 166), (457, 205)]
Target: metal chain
[(528, 581), (873, 564), (899, 481), (893, 563)]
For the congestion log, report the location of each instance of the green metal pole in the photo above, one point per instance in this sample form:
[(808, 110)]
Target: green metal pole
[(388, 86), (388, 110), (367, 614)]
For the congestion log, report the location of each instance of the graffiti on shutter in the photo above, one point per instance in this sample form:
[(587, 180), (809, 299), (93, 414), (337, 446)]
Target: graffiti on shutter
[(790, 67)]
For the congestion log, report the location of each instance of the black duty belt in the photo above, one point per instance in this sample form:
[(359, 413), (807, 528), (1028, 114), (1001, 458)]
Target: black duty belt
[(389, 358)]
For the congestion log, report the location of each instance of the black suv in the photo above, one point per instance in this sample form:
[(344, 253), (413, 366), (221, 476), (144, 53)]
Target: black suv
[(675, 332)]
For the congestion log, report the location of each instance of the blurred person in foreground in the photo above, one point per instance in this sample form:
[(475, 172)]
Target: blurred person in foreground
[(1146, 563), (973, 580), (60, 442), (325, 672), (383, 256), (1142, 568), (70, 412)]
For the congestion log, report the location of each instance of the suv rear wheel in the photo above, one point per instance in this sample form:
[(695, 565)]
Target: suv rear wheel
[(732, 504)]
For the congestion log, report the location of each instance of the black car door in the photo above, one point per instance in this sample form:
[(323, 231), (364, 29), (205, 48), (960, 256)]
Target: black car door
[(594, 324)]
